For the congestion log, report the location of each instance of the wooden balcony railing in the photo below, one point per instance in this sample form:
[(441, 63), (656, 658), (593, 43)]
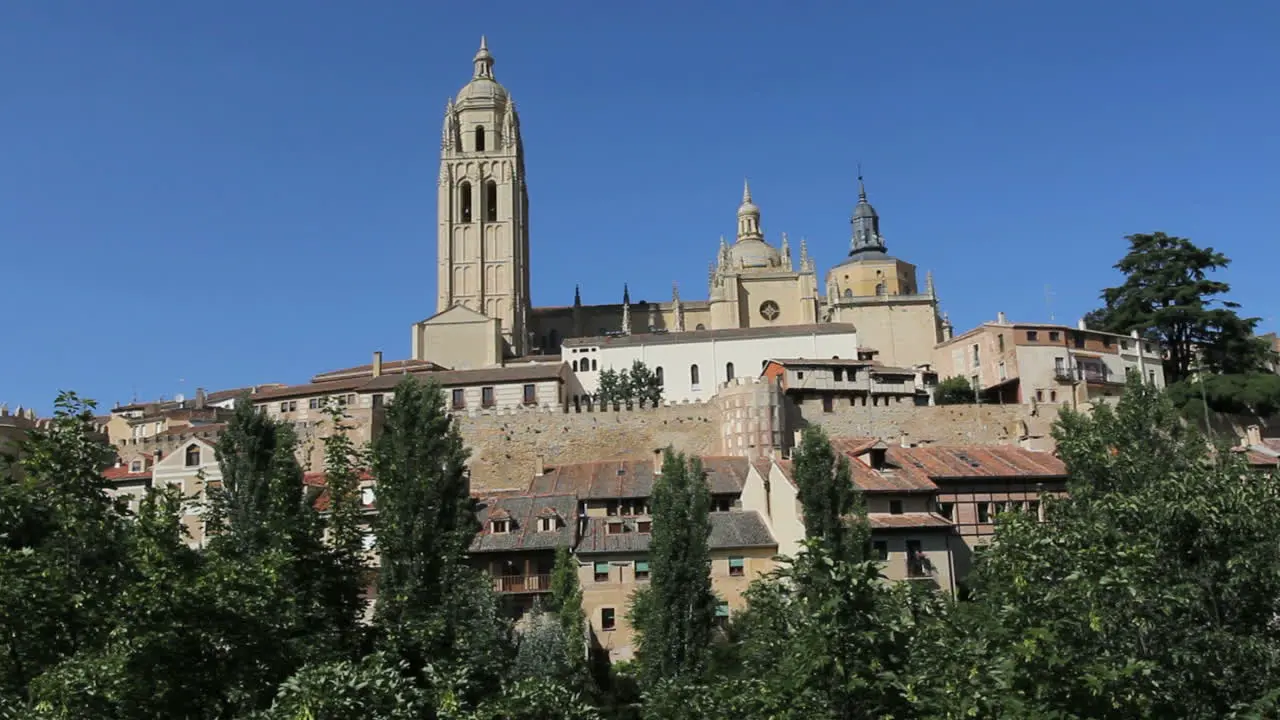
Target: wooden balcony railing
[(522, 583)]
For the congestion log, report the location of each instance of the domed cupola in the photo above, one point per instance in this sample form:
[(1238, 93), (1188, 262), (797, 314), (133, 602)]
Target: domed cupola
[(866, 226), (750, 251), (483, 90)]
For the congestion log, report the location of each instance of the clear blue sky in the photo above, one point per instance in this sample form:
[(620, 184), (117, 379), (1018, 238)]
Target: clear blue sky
[(218, 194)]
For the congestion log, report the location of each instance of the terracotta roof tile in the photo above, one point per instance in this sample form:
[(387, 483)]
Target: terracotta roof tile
[(526, 372), (963, 461), (887, 521), (122, 474), (366, 371), (726, 474), (633, 478)]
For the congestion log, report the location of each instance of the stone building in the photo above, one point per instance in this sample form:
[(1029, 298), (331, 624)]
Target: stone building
[(1048, 364), (484, 313)]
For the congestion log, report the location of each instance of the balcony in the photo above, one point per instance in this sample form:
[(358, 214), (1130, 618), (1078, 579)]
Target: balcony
[(1064, 374), (522, 584)]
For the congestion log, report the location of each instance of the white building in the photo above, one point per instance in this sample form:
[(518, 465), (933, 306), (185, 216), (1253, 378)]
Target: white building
[(693, 365)]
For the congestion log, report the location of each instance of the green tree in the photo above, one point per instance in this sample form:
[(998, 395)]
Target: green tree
[(432, 606), (613, 388), (643, 385), (828, 499), (375, 687), (347, 525), (566, 603), (1153, 591), (1168, 296), (62, 553), (954, 391), (674, 616)]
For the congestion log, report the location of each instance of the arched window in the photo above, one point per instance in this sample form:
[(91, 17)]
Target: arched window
[(848, 293), (880, 290), (479, 138), (464, 198), (491, 201), (693, 374), (657, 374), (575, 365), (701, 327), (193, 455), (728, 371)]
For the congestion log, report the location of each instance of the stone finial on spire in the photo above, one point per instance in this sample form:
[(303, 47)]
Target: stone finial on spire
[(746, 191), (806, 262), (862, 189), (483, 61), (928, 283), (785, 250)]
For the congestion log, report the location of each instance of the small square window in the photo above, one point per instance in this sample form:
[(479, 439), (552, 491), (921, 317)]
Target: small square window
[(737, 567), (459, 399), (501, 527), (895, 507), (608, 619), (984, 512), (837, 374), (642, 570), (602, 572), (1053, 336), (722, 610), (1033, 336), (644, 526), (614, 528), (828, 403), (486, 397), (530, 395), (799, 374), (880, 550), (944, 509)]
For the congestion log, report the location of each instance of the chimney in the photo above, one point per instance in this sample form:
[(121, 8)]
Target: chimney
[(1080, 325), (200, 398), (539, 466), (377, 364), (1253, 435), (1000, 318), (796, 438), (904, 441), (657, 461)]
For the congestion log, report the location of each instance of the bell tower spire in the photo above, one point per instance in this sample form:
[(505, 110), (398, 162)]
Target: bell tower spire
[(866, 224), (482, 243)]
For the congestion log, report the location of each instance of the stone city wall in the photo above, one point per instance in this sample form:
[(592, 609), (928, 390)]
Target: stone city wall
[(506, 447), (937, 424)]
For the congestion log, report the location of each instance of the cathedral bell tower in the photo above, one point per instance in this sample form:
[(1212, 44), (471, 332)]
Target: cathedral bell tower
[(483, 241)]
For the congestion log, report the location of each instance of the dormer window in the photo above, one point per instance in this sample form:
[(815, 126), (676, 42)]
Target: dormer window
[(135, 466), (877, 458), (548, 520), (500, 527)]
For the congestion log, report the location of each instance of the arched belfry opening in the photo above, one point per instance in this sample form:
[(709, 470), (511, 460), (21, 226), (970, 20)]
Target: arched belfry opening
[(479, 138), (491, 201), (464, 201)]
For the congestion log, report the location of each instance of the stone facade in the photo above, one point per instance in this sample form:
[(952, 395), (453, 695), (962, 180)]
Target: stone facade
[(483, 264)]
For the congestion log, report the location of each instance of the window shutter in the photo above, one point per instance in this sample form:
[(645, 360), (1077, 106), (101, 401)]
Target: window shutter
[(736, 562), (642, 566), (602, 567)]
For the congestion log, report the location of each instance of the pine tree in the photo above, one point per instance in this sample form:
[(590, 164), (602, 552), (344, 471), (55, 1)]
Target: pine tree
[(566, 604), (674, 617), (346, 522)]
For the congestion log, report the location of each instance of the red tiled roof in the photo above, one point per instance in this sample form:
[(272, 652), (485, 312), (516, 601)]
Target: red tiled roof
[(601, 479), (121, 474), (962, 461), (853, 445), (890, 479), (1259, 459), (887, 521)]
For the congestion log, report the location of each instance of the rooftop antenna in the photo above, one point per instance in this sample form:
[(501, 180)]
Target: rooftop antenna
[(1048, 301)]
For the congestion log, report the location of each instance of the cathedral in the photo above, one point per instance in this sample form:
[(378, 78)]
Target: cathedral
[(484, 313)]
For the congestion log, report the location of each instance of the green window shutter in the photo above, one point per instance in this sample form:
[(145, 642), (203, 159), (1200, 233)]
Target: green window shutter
[(602, 567), (737, 562), (722, 610), (642, 566)]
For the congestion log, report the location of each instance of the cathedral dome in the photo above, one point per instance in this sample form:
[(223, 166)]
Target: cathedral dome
[(481, 91), (754, 253)]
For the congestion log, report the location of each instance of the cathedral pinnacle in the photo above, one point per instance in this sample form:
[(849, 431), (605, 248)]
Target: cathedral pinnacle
[(626, 294), (746, 191), (577, 294), (483, 61)]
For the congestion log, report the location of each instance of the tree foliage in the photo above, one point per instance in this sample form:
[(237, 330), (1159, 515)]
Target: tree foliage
[(637, 384), (1151, 591), (1168, 296), (954, 391), (674, 616)]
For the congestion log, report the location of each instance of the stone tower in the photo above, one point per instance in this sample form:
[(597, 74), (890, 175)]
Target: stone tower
[(483, 245)]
